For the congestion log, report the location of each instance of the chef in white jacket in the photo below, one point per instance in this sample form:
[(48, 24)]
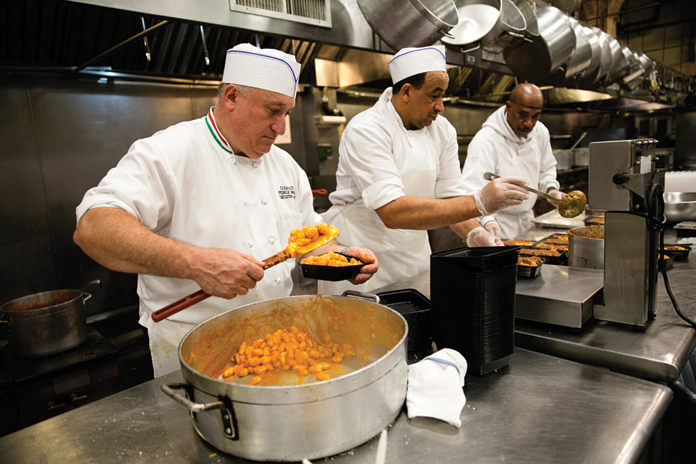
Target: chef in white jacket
[(201, 203), (512, 142), (399, 175)]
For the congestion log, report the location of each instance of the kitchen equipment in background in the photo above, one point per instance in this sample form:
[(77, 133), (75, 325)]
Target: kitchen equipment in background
[(586, 247), (615, 69), (546, 53), (292, 422), (472, 292), (665, 160), (624, 182), (579, 62), (46, 323), (528, 10), (680, 206), (564, 159), (597, 78), (410, 23), (589, 74), (581, 156), (680, 181), (494, 25)]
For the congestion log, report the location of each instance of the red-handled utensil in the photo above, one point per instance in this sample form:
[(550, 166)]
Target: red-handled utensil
[(293, 250)]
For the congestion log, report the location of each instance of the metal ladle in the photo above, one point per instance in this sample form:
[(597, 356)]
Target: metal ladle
[(570, 206)]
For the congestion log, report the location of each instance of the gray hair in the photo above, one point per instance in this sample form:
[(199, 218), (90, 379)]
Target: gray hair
[(244, 90)]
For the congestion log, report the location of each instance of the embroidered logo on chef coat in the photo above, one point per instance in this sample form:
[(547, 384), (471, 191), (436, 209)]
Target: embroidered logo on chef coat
[(286, 192)]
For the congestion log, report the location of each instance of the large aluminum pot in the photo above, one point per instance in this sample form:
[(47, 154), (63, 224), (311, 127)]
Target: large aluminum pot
[(547, 53), (45, 323), (291, 422), (586, 247), (615, 70), (579, 62), (494, 25), (589, 75), (528, 10), (680, 206), (410, 23)]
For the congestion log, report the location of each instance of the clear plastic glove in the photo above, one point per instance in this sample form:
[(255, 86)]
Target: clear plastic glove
[(480, 237), (499, 194), (494, 228), (557, 194)]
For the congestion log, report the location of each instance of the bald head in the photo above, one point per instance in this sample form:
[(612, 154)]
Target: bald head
[(524, 108)]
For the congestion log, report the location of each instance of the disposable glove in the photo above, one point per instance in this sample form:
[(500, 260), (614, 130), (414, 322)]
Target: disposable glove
[(499, 194), (557, 194), (494, 228), (480, 237)]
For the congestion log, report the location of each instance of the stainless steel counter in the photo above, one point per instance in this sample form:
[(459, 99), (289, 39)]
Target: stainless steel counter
[(540, 409), (659, 353)]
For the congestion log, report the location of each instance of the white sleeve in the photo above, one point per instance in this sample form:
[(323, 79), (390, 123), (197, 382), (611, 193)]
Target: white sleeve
[(366, 155), (449, 181), (547, 164), (139, 184)]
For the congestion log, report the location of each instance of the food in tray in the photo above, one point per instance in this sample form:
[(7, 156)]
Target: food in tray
[(531, 261), (287, 350), (330, 259), (675, 248), (541, 252), (559, 239), (551, 246), (594, 232), (518, 242), (597, 220)]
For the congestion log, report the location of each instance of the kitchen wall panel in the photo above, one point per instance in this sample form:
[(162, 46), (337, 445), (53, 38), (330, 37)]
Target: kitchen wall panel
[(27, 249)]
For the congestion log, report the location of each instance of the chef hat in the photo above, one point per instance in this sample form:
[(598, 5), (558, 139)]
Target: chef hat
[(411, 61), (262, 68)]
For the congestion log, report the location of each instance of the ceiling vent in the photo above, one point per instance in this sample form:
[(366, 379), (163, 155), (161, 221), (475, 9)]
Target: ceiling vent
[(315, 12)]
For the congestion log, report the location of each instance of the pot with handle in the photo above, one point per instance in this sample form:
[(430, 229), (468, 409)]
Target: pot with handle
[(410, 23), (46, 323), (290, 419), (547, 53), (494, 25)]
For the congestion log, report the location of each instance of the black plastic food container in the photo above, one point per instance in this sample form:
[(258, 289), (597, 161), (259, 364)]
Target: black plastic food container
[(415, 308), (333, 273), (472, 292)]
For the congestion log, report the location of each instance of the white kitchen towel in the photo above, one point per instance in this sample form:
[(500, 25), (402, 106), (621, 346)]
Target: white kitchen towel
[(435, 387)]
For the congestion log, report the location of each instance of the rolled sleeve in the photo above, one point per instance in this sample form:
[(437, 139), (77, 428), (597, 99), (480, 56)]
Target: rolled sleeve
[(139, 185), (547, 168), (366, 155)]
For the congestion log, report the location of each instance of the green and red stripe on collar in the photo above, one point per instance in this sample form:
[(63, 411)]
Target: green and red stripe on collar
[(215, 132)]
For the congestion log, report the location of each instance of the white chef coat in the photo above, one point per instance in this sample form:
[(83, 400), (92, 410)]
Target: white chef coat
[(186, 183), (380, 161), (496, 148)]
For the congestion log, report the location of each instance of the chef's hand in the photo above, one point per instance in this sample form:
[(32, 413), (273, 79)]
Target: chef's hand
[(557, 194), (480, 237), (226, 273), (499, 194), (371, 264), (494, 228)]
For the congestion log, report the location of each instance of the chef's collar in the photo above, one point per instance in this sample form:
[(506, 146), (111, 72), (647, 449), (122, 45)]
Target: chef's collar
[(218, 137)]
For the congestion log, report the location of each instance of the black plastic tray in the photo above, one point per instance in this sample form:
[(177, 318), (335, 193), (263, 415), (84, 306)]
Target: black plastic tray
[(332, 273), (530, 271), (479, 259), (415, 308), (679, 255), (685, 231)]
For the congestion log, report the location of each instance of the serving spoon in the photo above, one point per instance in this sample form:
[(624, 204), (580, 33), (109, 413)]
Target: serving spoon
[(298, 246), (570, 206)]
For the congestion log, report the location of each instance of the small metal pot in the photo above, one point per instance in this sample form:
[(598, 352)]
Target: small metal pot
[(564, 159), (581, 156), (584, 251), (410, 23), (46, 323), (680, 206), (290, 422)]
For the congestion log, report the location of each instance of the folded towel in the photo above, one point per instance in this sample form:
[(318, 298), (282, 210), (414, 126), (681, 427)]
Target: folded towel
[(435, 387)]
